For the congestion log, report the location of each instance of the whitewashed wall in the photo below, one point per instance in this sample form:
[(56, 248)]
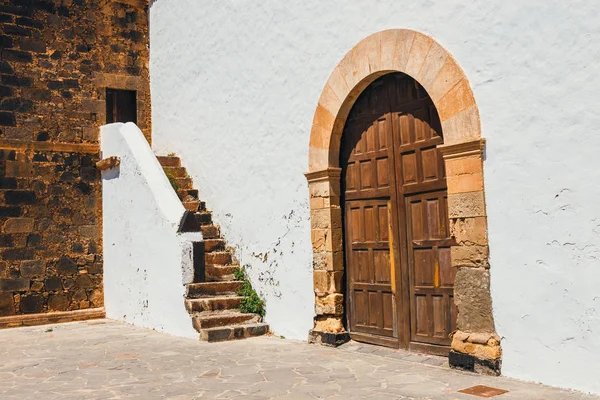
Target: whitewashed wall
[(234, 87), (146, 262)]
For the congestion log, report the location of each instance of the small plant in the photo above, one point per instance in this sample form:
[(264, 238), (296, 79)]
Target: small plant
[(251, 302), (49, 330), (172, 180), (171, 155)]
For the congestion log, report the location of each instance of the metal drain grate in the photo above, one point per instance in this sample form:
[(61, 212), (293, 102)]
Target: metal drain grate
[(483, 391)]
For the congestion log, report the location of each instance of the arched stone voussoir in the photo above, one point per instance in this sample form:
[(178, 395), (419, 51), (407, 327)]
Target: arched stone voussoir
[(393, 50)]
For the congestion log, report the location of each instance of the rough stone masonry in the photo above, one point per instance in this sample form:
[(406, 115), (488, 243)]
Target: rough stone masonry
[(57, 58)]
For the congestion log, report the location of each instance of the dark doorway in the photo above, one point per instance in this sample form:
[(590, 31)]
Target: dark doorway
[(121, 106)]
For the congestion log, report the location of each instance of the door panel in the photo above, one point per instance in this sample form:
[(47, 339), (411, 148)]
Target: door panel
[(399, 275)]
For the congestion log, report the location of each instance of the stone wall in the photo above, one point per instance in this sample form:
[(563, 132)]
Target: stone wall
[(57, 59)]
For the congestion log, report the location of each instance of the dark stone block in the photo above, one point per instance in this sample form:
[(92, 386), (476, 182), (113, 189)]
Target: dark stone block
[(34, 240), (89, 174), (39, 94), (7, 119), (6, 18), (32, 304), (327, 338), (5, 91), (16, 30), (67, 177), (34, 45), (83, 188), (84, 282), (12, 80), (17, 56), (8, 155), (33, 268), (40, 157), (71, 83), (66, 94), (30, 22), (82, 48), (6, 42), (42, 137), (470, 363), (6, 241), (26, 11), (14, 285), (8, 183), (77, 248), (16, 104), (19, 197), (18, 254), (66, 266), (96, 268), (57, 55), (53, 284), (10, 212), (55, 85), (58, 302), (7, 306)]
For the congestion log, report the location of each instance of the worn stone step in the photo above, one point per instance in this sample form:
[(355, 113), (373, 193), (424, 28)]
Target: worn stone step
[(176, 172), (218, 257), (204, 289), (214, 245), (213, 303), (183, 183), (203, 217), (187, 194), (191, 205), (206, 320), (168, 161), (220, 334), (210, 232), (216, 273)]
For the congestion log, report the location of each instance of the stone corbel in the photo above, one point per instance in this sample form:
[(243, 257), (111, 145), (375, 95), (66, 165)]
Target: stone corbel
[(108, 163)]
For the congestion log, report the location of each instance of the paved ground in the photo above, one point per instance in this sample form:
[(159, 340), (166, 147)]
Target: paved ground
[(110, 360)]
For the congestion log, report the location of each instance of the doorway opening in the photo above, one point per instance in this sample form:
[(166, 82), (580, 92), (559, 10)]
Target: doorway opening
[(399, 274)]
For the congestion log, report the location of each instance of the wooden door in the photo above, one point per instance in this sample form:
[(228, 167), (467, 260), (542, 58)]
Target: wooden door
[(400, 280)]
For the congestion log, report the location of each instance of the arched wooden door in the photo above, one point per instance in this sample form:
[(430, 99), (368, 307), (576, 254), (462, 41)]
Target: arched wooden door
[(397, 240)]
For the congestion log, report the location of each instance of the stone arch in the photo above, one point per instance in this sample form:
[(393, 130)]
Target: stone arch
[(475, 345)]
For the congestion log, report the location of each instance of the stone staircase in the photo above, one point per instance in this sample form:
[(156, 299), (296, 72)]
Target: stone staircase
[(212, 300)]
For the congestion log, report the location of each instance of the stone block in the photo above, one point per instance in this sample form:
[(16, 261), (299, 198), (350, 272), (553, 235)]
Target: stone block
[(18, 254), (330, 304), (465, 183), (53, 284), (464, 166), (327, 282), (32, 304), (327, 338), (328, 323), (469, 231), (66, 266), (14, 285), (33, 268), (18, 225), (7, 306), (473, 300), (97, 298), (469, 256), (465, 205), (328, 261), (84, 282), (58, 302)]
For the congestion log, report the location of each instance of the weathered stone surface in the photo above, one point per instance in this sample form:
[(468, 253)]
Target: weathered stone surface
[(33, 268), (58, 302), (464, 205), (470, 256), (327, 323), (330, 304), (18, 225), (473, 300), (326, 282), (7, 306), (469, 231), (14, 285)]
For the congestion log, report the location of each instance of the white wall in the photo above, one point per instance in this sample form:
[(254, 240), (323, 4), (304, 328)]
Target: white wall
[(146, 262), (234, 88)]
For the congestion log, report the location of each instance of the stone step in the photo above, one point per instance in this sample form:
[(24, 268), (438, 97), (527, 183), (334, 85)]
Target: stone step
[(203, 217), (176, 172), (168, 161), (218, 257), (220, 273), (187, 194), (204, 289), (183, 183), (191, 205), (233, 332), (210, 232), (214, 245), (213, 303), (206, 320)]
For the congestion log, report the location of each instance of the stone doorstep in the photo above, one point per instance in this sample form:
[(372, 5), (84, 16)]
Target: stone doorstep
[(213, 319), (233, 332), (176, 172), (184, 183), (218, 258), (203, 218), (192, 205), (213, 303), (51, 318), (210, 232), (203, 289)]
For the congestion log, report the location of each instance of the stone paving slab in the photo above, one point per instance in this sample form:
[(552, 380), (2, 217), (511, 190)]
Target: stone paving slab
[(111, 360)]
